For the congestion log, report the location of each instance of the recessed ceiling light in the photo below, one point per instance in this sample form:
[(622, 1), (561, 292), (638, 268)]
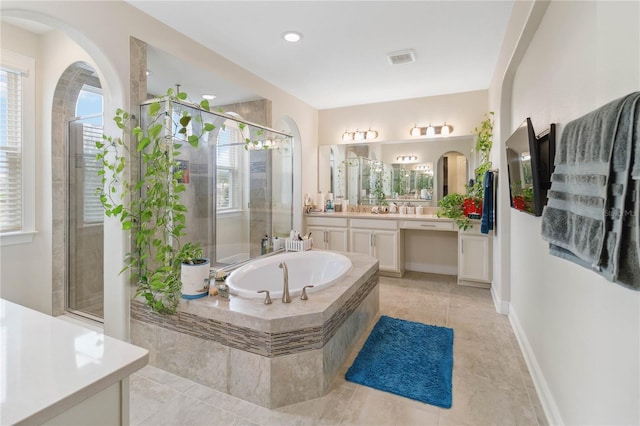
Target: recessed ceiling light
[(209, 97), (292, 36)]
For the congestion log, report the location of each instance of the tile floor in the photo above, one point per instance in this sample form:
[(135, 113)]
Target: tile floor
[(491, 383)]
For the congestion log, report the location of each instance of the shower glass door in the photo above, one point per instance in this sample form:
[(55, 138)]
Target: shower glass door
[(85, 292)]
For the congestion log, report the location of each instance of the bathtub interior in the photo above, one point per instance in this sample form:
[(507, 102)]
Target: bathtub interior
[(317, 268)]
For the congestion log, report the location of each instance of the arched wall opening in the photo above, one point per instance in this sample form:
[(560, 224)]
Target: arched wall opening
[(49, 242)]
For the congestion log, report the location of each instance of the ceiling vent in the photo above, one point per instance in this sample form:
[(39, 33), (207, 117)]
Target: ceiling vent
[(401, 57)]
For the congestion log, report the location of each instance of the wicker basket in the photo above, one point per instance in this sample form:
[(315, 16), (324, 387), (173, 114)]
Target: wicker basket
[(299, 245)]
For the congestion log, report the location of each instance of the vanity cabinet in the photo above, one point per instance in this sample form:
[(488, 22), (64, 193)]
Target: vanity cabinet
[(379, 239), (474, 258), (328, 233)]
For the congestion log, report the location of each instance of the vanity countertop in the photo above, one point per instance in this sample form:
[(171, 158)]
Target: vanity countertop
[(50, 365), (382, 216)]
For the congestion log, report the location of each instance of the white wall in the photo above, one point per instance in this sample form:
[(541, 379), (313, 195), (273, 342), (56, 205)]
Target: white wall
[(21, 282), (580, 333)]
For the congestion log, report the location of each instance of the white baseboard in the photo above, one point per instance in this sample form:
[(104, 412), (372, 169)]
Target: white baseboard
[(432, 269), (502, 307), (544, 393)]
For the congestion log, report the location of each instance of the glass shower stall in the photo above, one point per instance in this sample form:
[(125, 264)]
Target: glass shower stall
[(239, 181)]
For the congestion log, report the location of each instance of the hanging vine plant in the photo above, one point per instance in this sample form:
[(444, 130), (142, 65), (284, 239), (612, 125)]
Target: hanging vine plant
[(484, 143), (150, 205)]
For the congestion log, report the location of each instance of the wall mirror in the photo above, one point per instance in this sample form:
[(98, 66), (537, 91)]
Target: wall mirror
[(418, 171)]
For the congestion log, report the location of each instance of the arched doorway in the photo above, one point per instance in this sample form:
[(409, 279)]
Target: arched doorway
[(452, 173)]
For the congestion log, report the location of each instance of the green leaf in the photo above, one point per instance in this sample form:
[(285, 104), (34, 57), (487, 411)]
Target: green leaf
[(193, 141), (155, 130), (154, 108), (208, 127), (127, 225), (185, 120), (182, 96), (204, 104), (144, 142)]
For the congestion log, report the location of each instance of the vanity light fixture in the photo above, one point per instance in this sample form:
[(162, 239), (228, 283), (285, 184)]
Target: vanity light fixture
[(347, 136), (406, 158), (359, 135), (431, 131), (292, 36), (424, 168)]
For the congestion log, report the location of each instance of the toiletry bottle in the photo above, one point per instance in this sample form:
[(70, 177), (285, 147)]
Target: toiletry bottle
[(265, 245), (329, 206)]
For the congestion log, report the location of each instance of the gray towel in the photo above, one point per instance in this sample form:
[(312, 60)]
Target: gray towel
[(588, 217)]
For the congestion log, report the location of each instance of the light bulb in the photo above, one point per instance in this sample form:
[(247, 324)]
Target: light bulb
[(445, 130), (415, 130), (431, 131), (371, 134)]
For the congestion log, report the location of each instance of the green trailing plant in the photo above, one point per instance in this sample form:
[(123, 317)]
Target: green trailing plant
[(378, 192), (484, 143), (452, 207), (150, 205)]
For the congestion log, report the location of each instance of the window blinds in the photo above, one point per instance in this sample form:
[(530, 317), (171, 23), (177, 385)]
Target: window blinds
[(93, 211), (228, 187), (10, 150)]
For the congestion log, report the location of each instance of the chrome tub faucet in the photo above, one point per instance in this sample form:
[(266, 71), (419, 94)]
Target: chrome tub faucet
[(285, 292)]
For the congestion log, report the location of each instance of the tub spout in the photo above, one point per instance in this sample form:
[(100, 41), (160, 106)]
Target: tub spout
[(285, 291)]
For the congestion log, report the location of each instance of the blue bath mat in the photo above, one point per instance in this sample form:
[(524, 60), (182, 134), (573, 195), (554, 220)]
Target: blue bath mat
[(408, 359)]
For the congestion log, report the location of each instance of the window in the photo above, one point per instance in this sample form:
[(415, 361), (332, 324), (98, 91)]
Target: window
[(89, 112), (228, 179), (17, 148)]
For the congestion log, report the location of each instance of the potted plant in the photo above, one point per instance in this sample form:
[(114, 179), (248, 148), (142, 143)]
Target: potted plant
[(194, 272), (473, 200), (452, 206), (149, 205)]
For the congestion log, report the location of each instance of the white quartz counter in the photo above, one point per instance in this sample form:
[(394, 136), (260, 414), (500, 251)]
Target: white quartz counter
[(49, 365), (381, 216)]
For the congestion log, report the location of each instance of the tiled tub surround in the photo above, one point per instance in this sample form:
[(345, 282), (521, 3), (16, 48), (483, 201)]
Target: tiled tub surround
[(270, 355)]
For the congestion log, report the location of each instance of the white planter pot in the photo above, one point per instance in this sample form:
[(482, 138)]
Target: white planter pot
[(195, 280)]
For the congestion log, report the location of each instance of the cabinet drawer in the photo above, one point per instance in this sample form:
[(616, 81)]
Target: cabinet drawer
[(426, 225), (327, 221), (391, 224)]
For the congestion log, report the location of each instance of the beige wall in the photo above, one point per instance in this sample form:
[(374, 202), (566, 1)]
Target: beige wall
[(393, 120)]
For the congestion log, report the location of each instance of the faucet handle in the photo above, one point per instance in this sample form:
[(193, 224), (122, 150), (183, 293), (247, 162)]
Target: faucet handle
[(267, 299), (304, 296)]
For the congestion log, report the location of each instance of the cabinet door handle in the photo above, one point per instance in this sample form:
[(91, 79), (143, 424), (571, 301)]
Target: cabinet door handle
[(326, 237), (427, 225)]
